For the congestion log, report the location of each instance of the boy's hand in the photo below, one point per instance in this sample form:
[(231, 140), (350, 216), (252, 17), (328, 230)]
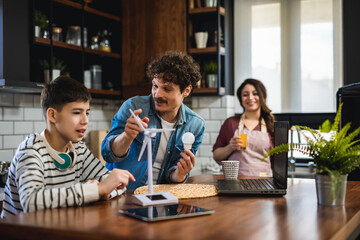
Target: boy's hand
[(117, 179), (132, 128), (185, 164)]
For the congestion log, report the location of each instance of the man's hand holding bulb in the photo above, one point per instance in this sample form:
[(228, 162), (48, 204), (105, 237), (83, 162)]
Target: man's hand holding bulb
[(187, 162)]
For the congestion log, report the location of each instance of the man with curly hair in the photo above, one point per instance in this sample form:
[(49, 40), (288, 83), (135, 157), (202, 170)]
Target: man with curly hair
[(173, 77)]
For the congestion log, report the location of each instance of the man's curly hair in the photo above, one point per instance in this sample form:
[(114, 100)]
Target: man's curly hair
[(176, 67)]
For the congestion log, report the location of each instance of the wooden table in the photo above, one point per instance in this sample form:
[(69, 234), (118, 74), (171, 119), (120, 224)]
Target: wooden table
[(294, 216)]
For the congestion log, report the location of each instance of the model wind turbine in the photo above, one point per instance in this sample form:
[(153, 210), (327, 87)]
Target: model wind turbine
[(151, 198)]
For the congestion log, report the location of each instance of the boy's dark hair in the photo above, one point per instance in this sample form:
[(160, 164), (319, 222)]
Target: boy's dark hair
[(176, 67), (61, 91)]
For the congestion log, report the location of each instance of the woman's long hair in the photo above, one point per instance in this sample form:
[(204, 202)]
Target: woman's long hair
[(265, 112)]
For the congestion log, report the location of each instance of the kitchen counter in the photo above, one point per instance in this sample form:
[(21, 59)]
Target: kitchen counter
[(294, 216)]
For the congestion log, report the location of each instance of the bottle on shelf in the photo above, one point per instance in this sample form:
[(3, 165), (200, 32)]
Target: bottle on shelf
[(57, 34), (104, 43), (94, 42)]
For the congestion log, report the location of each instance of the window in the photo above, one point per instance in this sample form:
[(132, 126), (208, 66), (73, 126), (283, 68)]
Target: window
[(294, 48)]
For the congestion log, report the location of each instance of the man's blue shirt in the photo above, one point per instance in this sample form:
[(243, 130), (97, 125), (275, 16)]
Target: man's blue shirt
[(188, 121)]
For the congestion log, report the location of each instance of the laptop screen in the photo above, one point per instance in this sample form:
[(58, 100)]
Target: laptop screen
[(281, 136)]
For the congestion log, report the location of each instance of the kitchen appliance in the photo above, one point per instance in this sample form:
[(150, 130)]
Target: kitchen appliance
[(350, 96)]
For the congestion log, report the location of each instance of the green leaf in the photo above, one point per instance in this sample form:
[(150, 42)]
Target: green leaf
[(326, 126)]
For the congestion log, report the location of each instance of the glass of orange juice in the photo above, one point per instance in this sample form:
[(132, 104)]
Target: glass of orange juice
[(243, 139)]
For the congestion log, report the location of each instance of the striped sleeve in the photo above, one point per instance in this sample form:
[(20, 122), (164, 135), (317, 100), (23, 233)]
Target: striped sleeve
[(33, 194), (93, 168)]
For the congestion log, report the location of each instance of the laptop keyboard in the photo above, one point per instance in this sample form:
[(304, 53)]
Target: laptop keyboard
[(255, 184)]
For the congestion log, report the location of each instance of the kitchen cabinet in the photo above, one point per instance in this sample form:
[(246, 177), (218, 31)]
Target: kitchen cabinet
[(67, 38), (217, 21), (149, 29), (14, 47)]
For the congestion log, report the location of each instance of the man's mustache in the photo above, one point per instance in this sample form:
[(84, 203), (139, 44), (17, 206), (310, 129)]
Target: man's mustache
[(160, 100)]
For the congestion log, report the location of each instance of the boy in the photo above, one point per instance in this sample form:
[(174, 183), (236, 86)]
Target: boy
[(173, 76), (55, 169)]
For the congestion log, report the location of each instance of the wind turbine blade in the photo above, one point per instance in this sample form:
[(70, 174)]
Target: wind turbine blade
[(137, 120), (143, 147)]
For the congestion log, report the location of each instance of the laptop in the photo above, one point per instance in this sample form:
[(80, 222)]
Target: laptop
[(276, 185)]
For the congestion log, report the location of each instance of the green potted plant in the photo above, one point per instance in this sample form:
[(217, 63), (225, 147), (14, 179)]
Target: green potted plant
[(335, 154), (211, 71), (57, 67), (40, 22)]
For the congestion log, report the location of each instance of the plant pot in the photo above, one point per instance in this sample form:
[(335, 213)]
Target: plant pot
[(201, 39), (211, 80), (37, 31), (210, 3), (55, 74), (328, 193)]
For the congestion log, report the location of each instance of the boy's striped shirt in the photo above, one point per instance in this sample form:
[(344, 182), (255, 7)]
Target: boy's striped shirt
[(35, 183)]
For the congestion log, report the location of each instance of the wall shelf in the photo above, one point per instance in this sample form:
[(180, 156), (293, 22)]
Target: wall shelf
[(98, 18), (216, 59), (207, 10), (212, 49), (46, 41), (209, 91), (88, 9), (104, 92)]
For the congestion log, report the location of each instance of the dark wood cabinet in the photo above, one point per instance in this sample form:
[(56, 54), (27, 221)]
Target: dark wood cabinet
[(149, 28), (14, 46), (86, 20), (216, 56)]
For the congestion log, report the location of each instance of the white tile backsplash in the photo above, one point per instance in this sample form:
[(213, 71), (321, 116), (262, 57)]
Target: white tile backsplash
[(23, 100), (6, 155), (6, 127), (228, 101), (13, 113), (213, 137), (1, 142), (96, 115), (12, 141), (209, 102), (212, 126), (7, 99), (91, 126), (39, 126), (206, 138), (205, 150), (218, 113), (108, 105), (203, 112), (108, 115), (103, 125), (33, 114), (195, 102), (37, 100), (96, 104), (23, 127)]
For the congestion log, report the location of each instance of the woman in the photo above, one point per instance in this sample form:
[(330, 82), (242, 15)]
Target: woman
[(257, 122)]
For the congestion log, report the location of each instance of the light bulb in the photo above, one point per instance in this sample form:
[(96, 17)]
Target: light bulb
[(188, 139)]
